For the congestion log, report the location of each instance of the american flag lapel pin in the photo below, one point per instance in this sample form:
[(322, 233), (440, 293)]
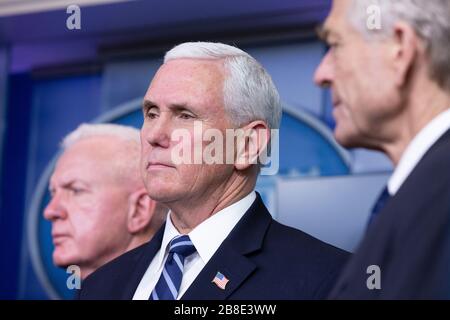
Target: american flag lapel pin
[(220, 280)]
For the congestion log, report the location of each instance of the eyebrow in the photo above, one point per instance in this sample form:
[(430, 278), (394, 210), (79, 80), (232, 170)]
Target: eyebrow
[(324, 33), (70, 182), (51, 189), (147, 104)]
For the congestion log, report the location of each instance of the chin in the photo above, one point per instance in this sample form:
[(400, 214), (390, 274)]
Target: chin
[(353, 144), (63, 257), (346, 138), (63, 261), (162, 193)]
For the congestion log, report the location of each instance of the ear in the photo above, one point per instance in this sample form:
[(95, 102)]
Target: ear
[(140, 211), (250, 144), (406, 45)]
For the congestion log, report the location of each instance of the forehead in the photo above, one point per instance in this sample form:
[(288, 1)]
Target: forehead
[(337, 20), (193, 79), (85, 160)]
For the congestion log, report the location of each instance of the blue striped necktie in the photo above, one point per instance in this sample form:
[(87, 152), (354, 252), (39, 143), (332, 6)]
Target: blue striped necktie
[(169, 283)]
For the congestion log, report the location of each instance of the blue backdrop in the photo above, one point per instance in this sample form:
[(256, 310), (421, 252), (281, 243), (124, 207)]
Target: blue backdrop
[(41, 111)]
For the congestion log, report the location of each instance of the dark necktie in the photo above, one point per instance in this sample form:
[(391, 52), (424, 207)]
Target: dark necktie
[(378, 206), (169, 283)]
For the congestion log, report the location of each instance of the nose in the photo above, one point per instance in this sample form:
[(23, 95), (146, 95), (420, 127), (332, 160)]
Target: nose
[(323, 77), (55, 209), (156, 132)]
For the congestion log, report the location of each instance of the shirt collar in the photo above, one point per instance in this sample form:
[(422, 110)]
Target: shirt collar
[(208, 235), (421, 143), (170, 232)]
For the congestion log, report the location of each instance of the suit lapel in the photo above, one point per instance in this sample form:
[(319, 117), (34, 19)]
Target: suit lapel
[(231, 258), (141, 263), (232, 265)]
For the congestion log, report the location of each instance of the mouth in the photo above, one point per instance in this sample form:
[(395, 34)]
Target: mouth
[(335, 99), (337, 110), (59, 238), (336, 103), (154, 165)]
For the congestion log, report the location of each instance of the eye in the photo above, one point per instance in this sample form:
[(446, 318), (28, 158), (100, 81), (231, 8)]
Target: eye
[(334, 45), (185, 115), (151, 113), (75, 190)]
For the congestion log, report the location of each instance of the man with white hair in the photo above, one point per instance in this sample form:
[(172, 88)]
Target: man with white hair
[(219, 240), (99, 206), (389, 70)]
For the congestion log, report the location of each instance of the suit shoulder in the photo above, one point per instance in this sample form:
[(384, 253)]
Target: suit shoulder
[(101, 278), (305, 244), (313, 264)]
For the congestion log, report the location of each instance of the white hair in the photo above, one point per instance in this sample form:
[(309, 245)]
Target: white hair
[(85, 130), (127, 158), (430, 20), (249, 92)]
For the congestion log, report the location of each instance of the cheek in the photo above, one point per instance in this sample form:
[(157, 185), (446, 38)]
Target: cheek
[(144, 132), (85, 220), (346, 81), (190, 144), (106, 229), (142, 159), (187, 174), (199, 178), (351, 68), (117, 210), (143, 171), (355, 89), (208, 176), (94, 211)]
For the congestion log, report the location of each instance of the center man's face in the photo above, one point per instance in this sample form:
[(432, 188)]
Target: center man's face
[(182, 92)]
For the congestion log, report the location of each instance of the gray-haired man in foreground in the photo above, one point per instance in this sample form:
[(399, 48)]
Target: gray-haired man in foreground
[(390, 81)]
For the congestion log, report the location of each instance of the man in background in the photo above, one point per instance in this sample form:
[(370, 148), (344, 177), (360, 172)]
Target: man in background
[(99, 207), (388, 67)]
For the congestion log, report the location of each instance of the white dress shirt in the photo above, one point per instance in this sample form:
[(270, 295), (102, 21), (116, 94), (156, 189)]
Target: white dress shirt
[(421, 143), (206, 237)]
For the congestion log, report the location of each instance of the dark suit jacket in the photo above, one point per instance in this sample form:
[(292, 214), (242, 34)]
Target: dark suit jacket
[(261, 258), (410, 238)]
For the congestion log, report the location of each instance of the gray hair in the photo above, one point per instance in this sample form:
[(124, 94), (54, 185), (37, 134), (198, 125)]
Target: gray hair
[(86, 130), (127, 160), (430, 20), (249, 92)]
